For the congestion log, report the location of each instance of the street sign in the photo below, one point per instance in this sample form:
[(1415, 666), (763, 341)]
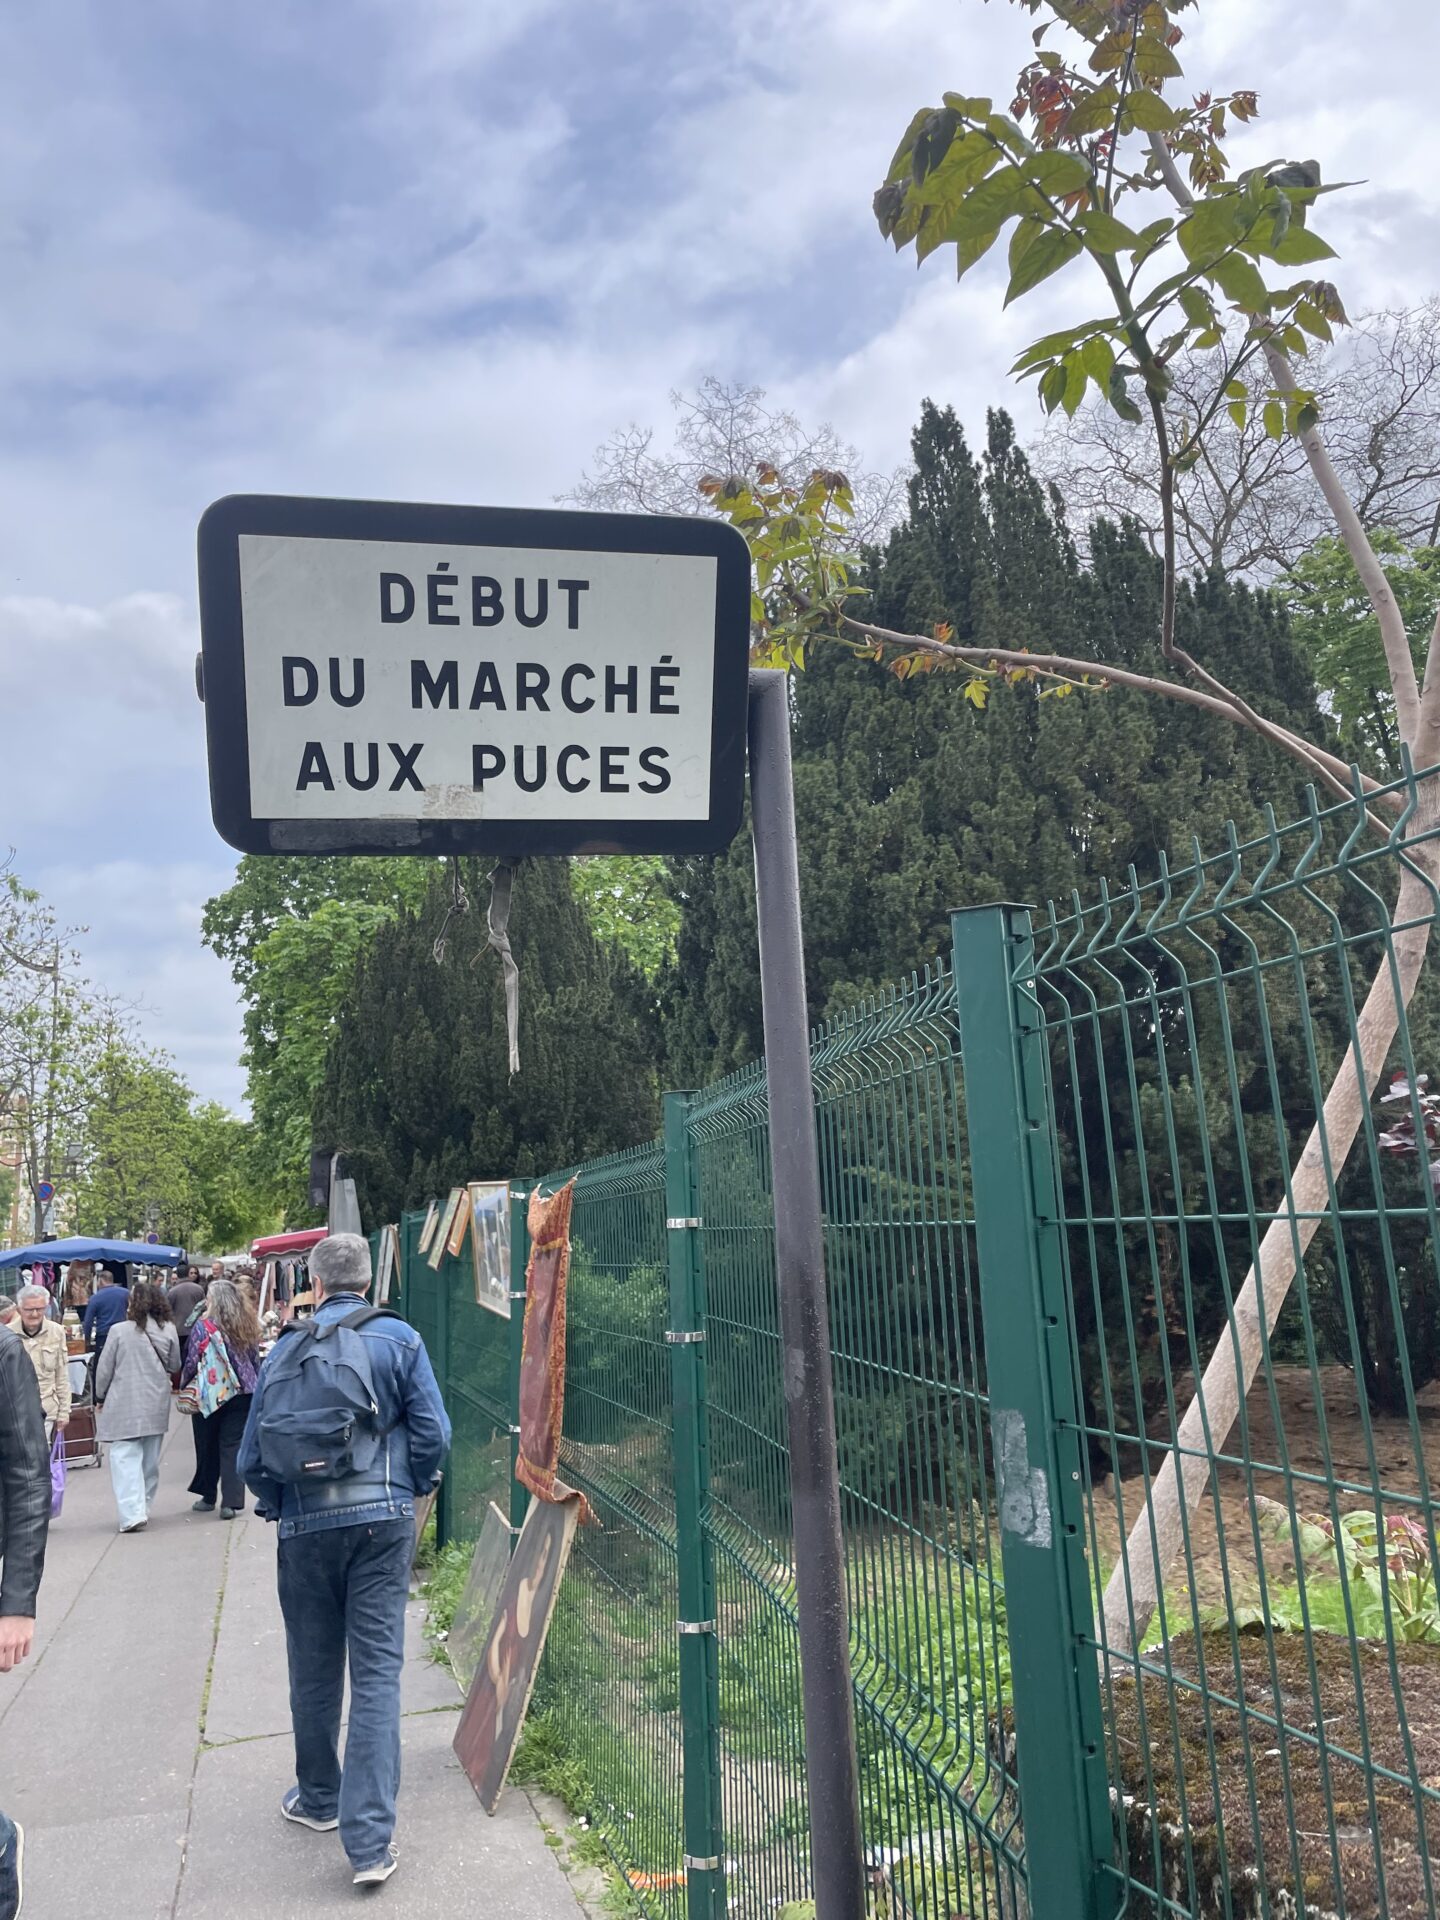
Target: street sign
[(45, 1191), (152, 1239), (386, 678)]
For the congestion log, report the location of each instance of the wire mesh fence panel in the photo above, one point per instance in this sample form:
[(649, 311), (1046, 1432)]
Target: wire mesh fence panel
[(477, 1393), (609, 1684), (1239, 1182), (928, 1637)]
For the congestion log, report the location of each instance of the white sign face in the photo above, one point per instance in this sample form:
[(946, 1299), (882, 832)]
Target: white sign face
[(458, 691)]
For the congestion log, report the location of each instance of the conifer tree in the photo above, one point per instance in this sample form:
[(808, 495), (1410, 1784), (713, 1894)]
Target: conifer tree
[(912, 799), (416, 1087)]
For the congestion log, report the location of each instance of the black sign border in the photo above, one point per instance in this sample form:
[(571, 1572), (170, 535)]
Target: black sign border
[(227, 729)]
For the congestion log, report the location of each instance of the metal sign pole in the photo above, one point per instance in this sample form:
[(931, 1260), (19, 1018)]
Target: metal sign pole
[(836, 1858)]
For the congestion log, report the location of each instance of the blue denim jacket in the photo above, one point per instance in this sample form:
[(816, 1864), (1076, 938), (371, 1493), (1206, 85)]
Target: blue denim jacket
[(409, 1460)]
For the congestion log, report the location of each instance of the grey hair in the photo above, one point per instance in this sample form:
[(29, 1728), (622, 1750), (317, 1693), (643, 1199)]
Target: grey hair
[(8, 1309), (33, 1293), (341, 1263)]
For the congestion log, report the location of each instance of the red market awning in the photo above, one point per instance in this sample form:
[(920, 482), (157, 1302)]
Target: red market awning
[(277, 1243)]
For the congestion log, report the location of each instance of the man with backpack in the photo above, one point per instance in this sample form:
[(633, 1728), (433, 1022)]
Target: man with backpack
[(346, 1428)]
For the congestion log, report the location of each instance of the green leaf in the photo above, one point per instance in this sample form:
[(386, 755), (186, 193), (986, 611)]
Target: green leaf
[(1075, 382), (1300, 247), (1239, 280), (1023, 238), (932, 142), (1151, 237), (1149, 112), (900, 165), (1002, 128), (1046, 255), (969, 106), (1307, 417), (1274, 418), (1236, 390), (1213, 227), (992, 203), (1055, 343), (1313, 321), (1092, 113), (1197, 306), (966, 163), (1052, 387), (1057, 174), (1098, 358), (1154, 60), (971, 247), (1239, 413), (1104, 232)]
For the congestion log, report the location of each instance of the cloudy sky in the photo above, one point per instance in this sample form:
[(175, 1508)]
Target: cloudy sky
[(439, 250)]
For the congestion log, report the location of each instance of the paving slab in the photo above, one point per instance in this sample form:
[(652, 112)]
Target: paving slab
[(243, 1858)]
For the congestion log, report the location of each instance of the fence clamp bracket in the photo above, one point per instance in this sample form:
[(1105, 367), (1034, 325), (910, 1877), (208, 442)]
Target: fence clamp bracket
[(516, 1293), (702, 1863), (687, 1339), (695, 1626), (679, 1220)]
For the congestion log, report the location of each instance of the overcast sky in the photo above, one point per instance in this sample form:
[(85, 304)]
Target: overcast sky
[(438, 250)]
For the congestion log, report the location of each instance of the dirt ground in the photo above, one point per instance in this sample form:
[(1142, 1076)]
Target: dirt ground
[(1301, 1440), (1366, 1859)]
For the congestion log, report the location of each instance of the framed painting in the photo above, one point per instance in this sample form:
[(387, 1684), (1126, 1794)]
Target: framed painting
[(490, 1243)]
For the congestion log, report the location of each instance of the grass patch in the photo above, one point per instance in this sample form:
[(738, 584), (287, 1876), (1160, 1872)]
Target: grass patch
[(448, 1570)]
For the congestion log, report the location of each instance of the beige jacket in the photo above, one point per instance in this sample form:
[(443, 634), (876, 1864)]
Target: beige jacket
[(50, 1358)]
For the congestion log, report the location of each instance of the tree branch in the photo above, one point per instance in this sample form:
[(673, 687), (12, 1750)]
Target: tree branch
[(1367, 564), (1408, 712), (1332, 772)]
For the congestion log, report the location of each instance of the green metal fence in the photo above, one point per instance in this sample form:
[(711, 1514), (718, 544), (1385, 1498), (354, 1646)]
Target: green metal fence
[(1031, 1262)]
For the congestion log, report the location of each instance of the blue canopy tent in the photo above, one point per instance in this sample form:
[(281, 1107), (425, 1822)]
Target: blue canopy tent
[(135, 1252)]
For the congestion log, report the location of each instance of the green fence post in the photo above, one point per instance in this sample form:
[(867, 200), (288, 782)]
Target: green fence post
[(699, 1660), (520, 1191), (1064, 1793)]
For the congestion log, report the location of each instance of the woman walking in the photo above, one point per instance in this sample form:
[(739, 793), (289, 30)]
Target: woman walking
[(222, 1358), (132, 1379)]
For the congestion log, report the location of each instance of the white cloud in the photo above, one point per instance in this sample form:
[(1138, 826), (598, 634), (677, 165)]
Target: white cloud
[(141, 941)]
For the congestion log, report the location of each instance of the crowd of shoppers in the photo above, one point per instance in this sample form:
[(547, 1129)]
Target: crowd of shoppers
[(345, 1515)]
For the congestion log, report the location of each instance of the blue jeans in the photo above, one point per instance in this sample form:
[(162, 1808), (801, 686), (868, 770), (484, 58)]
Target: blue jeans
[(135, 1476), (343, 1590), (9, 1870)]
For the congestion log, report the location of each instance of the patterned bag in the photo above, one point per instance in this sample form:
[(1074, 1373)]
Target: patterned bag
[(215, 1378)]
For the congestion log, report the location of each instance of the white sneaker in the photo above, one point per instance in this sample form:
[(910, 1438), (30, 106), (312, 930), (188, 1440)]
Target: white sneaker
[(377, 1875)]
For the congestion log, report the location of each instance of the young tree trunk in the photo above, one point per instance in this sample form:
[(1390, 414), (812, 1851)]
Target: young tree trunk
[(1158, 1535)]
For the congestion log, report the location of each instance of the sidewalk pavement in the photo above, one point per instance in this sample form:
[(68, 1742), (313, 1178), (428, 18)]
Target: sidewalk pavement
[(145, 1743)]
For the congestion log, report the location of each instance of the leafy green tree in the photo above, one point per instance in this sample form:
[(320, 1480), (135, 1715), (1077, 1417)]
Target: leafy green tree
[(303, 970), (292, 928), (136, 1175), (270, 891), (152, 1159), (628, 901), (417, 1089), (1335, 622), (230, 1199)]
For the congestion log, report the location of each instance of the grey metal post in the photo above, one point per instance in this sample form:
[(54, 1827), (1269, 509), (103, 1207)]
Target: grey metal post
[(836, 1858)]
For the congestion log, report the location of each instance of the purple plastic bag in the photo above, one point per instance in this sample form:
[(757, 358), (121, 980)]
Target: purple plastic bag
[(57, 1474)]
